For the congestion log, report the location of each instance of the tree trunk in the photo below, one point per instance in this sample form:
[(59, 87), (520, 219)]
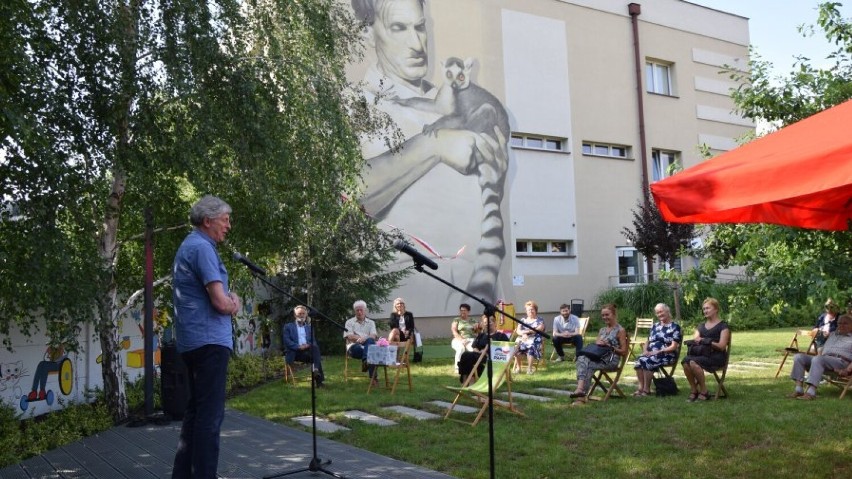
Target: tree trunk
[(113, 373), (108, 308), (111, 367)]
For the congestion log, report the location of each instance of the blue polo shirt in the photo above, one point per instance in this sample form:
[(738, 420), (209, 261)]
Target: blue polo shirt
[(197, 323)]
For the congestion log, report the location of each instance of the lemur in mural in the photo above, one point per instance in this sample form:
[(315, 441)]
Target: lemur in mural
[(468, 106)]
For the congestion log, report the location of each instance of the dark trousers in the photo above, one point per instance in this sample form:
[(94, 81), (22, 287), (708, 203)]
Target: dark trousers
[(466, 362), (359, 351), (198, 448), (577, 341), (311, 356)]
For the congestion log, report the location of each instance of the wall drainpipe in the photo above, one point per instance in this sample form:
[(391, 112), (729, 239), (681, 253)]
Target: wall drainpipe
[(635, 10)]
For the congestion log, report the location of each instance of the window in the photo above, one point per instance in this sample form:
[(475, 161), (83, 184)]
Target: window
[(676, 265), (539, 142), (628, 265), (663, 161), (605, 149), (658, 78), (543, 247)]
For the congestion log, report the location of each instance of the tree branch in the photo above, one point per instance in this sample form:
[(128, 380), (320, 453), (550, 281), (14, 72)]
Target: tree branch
[(133, 298)]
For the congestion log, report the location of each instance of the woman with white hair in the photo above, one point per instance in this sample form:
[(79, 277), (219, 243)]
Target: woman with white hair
[(663, 341)]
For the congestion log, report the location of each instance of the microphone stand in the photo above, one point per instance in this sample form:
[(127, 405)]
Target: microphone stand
[(316, 464), (419, 261)]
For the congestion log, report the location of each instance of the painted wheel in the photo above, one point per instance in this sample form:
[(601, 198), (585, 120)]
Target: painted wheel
[(24, 403), (66, 376), (50, 397)]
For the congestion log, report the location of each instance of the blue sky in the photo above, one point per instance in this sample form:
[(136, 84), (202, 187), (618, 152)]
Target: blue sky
[(773, 28)]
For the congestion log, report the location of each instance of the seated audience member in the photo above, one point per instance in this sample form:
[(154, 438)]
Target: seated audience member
[(463, 333), (401, 322), (529, 340), (298, 345), (660, 350), (714, 334), (566, 330), (360, 333), (836, 356), (826, 323), (480, 343), (612, 335)]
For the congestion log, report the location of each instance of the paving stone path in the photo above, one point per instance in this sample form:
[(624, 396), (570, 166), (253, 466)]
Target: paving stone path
[(627, 382)]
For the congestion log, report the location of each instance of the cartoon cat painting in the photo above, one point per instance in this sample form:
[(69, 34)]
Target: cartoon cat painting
[(10, 376)]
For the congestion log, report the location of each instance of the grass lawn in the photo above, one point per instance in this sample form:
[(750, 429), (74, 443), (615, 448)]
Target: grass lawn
[(756, 432)]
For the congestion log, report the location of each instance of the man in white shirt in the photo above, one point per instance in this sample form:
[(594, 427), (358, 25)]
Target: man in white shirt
[(566, 330), (360, 333)]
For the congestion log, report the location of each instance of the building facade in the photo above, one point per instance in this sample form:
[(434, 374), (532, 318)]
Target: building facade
[(599, 97)]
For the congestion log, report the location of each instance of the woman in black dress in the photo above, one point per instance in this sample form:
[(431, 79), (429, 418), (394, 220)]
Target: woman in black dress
[(713, 334)]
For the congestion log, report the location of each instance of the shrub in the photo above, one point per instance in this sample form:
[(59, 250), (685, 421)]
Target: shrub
[(743, 305), (9, 435), (36, 435), (249, 370)]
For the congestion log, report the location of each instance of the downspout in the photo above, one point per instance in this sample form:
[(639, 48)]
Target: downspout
[(635, 10)]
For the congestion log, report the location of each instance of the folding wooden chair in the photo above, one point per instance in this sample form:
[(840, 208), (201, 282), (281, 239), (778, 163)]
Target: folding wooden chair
[(297, 371), (402, 363), (584, 323), (502, 356), (602, 376), (721, 392), (351, 374), (842, 382), (793, 348), (668, 370), (640, 334)]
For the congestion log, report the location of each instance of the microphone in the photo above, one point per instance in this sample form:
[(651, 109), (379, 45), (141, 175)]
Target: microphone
[(255, 268), (418, 257)]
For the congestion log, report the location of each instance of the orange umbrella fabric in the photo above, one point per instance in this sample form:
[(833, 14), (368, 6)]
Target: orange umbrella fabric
[(800, 175)]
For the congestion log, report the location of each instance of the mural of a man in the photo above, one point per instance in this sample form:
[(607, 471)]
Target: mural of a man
[(445, 186), (51, 363)]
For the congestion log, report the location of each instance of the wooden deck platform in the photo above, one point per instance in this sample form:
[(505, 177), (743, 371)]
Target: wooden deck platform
[(251, 448)]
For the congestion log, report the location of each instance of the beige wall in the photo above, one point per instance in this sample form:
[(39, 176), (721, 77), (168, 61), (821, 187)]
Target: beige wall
[(581, 86)]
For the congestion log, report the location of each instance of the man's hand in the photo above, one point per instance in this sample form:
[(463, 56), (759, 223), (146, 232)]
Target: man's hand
[(455, 148)]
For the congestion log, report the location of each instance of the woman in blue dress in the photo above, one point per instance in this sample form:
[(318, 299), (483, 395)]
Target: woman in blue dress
[(529, 340), (660, 350)]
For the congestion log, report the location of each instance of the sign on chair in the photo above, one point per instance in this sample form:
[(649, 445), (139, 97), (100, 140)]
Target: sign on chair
[(385, 355)]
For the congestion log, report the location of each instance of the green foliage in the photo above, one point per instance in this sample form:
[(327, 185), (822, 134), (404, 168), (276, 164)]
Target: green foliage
[(806, 89), (249, 370), (111, 108), (741, 305), (9, 435), (69, 424), (342, 258), (789, 267), (790, 270)]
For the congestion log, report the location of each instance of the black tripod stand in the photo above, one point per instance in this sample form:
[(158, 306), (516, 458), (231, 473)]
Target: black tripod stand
[(419, 262), (316, 464)]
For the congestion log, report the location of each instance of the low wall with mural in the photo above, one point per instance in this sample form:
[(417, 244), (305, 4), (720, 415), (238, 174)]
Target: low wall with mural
[(36, 379)]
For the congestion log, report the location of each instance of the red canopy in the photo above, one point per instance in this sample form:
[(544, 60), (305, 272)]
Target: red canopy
[(800, 175)]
